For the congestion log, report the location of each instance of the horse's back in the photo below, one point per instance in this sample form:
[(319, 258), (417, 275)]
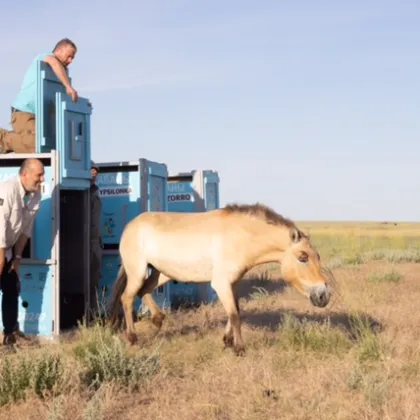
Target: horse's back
[(171, 221), (180, 245)]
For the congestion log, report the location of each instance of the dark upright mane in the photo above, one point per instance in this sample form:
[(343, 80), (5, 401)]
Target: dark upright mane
[(262, 212)]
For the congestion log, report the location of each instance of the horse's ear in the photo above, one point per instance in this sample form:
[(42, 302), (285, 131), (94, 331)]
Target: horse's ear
[(295, 235)]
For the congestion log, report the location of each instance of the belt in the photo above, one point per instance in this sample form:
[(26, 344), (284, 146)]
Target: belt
[(18, 110)]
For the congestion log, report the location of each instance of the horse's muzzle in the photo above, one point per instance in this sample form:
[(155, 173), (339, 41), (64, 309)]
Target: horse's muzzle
[(320, 296)]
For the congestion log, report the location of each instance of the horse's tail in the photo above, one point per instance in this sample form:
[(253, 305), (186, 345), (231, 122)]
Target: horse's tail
[(118, 290)]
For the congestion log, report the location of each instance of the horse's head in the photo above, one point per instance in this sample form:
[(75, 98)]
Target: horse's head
[(301, 266)]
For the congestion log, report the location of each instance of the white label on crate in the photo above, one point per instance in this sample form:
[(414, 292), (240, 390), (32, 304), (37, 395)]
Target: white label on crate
[(32, 316), (116, 191), (180, 197)]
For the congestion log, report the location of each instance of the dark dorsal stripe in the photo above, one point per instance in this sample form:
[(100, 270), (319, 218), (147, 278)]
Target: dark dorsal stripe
[(262, 212)]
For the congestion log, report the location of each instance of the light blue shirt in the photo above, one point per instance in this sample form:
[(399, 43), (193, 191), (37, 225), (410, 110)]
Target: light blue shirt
[(26, 98)]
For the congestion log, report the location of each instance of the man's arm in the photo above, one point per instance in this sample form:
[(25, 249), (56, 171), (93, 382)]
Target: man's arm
[(59, 70), (5, 208), (20, 245)]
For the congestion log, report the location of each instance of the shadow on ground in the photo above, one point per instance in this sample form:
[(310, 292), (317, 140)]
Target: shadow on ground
[(245, 289), (273, 320), (344, 321), (254, 283)]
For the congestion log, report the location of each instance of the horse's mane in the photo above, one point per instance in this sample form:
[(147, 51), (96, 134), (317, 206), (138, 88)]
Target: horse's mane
[(261, 212)]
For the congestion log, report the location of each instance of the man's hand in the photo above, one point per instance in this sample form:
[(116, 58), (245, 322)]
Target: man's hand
[(15, 266), (73, 93), (2, 259)]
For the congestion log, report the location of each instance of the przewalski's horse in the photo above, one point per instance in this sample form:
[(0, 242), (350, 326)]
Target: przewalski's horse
[(218, 246)]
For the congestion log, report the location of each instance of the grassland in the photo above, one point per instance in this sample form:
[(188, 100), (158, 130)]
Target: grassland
[(357, 359)]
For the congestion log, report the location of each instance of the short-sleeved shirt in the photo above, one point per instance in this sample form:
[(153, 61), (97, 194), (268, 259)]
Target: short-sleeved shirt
[(17, 211), (26, 98)]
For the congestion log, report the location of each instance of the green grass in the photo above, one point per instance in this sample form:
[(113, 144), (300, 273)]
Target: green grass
[(98, 358), (391, 276), (353, 250)]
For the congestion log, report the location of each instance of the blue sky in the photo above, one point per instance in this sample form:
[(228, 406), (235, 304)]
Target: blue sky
[(309, 107)]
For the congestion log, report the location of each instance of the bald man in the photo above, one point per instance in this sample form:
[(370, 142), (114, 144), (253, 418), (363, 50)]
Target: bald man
[(20, 198)]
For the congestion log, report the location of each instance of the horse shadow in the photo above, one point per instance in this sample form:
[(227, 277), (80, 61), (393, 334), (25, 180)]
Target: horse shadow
[(261, 283), (273, 320), (348, 323)]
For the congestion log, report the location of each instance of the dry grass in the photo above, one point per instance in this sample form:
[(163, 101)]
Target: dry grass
[(357, 359)]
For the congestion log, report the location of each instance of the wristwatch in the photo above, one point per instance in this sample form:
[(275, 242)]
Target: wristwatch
[(18, 257)]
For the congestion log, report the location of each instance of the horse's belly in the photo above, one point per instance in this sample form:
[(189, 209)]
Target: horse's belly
[(185, 266)]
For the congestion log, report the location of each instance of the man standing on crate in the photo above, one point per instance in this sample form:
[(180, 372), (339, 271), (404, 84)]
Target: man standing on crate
[(95, 241), (20, 198), (22, 138)]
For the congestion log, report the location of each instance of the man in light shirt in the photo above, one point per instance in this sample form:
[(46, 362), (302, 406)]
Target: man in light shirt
[(20, 198)]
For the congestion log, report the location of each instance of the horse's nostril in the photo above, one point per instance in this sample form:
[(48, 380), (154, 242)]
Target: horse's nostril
[(319, 297)]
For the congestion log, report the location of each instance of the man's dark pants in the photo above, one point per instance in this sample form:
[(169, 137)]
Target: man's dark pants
[(10, 287)]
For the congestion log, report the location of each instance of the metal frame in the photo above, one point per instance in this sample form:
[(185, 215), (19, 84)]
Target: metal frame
[(55, 197)]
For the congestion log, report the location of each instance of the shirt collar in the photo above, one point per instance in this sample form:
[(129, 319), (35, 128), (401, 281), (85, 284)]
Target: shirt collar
[(22, 191)]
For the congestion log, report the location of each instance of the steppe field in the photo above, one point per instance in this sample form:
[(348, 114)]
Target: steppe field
[(359, 358)]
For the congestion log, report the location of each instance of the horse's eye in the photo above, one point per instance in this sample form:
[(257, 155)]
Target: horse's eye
[(303, 257)]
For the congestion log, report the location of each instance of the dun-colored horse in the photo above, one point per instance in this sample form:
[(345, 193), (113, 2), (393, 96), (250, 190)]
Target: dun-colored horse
[(218, 246)]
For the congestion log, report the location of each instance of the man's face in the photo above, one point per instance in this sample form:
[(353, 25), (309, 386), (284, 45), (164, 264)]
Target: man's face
[(93, 174), (33, 177), (66, 55)]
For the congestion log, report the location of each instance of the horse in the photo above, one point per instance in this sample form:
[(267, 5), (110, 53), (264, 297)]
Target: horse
[(219, 246)]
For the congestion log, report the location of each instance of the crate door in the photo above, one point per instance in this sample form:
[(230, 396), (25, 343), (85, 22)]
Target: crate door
[(211, 190), (153, 192), (73, 139), (153, 182)]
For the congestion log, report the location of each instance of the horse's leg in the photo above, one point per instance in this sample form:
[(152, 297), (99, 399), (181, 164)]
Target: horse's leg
[(224, 290), (228, 336), (155, 280), (134, 283), (157, 315)]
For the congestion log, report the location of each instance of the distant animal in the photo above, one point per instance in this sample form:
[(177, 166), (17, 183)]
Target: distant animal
[(219, 246)]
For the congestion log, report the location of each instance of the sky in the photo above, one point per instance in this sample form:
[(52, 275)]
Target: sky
[(310, 107)]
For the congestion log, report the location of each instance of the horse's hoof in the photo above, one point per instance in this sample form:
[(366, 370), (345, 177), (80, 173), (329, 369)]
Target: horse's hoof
[(132, 338), (240, 351), (228, 340), (158, 319), (115, 326)]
